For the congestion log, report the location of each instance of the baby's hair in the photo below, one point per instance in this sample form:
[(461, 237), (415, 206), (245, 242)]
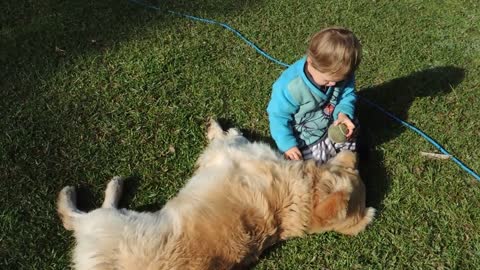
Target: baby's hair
[(335, 50)]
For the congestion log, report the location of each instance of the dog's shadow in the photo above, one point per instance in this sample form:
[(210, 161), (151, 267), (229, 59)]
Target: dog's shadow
[(395, 96), (87, 200)]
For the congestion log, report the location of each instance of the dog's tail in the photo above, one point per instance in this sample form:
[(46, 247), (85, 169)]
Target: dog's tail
[(67, 207)]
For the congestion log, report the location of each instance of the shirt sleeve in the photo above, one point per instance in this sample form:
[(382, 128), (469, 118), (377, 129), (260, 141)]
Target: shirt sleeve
[(281, 110), (348, 98)]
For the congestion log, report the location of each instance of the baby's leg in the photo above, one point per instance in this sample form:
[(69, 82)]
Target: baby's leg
[(320, 151), (348, 145)]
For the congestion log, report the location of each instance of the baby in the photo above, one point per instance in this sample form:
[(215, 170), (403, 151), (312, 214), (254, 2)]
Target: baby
[(313, 93)]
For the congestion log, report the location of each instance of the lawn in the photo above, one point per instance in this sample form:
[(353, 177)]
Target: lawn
[(93, 89)]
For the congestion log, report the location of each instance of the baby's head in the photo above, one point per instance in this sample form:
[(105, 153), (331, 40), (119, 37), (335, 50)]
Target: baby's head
[(333, 54)]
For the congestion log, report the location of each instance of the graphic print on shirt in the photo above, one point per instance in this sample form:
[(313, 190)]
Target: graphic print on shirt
[(328, 110)]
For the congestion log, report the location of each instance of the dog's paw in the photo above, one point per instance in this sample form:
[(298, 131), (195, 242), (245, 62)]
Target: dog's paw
[(232, 132), (115, 185), (68, 195), (113, 192), (370, 215), (66, 206), (116, 181), (214, 130)]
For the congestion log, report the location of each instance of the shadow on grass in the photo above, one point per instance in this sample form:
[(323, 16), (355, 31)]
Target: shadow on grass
[(87, 201), (40, 37), (130, 189), (395, 96)]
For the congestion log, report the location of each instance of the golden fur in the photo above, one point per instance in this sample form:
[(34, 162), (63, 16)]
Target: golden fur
[(243, 198)]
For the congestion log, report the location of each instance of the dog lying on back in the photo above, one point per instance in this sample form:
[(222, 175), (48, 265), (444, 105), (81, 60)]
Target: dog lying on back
[(243, 198)]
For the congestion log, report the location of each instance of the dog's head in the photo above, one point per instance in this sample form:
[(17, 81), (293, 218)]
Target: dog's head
[(333, 185)]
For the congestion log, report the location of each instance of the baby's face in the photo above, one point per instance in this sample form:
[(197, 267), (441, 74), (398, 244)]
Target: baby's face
[(320, 78)]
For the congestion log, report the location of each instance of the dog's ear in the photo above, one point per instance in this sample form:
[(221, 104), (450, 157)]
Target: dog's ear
[(333, 207), (325, 204), (346, 159), (330, 202)]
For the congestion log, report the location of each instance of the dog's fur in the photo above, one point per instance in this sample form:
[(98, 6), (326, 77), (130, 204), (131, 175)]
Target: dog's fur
[(243, 198)]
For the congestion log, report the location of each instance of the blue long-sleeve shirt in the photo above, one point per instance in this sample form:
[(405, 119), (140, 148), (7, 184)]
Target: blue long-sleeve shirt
[(300, 113)]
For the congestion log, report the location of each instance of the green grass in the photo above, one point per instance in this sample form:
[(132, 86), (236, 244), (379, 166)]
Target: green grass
[(128, 90)]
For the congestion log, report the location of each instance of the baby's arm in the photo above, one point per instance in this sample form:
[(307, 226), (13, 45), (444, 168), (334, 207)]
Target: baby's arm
[(347, 100), (345, 109), (280, 110)]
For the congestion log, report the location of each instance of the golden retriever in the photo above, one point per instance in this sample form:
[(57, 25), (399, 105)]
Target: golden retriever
[(243, 197)]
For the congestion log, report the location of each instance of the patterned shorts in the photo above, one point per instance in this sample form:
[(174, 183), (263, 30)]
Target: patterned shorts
[(325, 149)]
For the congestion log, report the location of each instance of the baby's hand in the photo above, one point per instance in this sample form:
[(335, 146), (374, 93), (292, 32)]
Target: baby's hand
[(344, 119), (293, 154)]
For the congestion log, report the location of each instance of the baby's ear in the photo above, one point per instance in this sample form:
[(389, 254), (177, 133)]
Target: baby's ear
[(346, 159)]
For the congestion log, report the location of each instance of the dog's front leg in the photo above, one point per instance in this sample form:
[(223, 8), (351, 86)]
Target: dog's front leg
[(214, 130)]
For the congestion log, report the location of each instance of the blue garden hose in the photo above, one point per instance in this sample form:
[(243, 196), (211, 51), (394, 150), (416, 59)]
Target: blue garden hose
[(404, 123)]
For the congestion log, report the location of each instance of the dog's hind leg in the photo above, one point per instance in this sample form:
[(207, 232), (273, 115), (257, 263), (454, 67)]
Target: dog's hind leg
[(113, 193), (67, 208)]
